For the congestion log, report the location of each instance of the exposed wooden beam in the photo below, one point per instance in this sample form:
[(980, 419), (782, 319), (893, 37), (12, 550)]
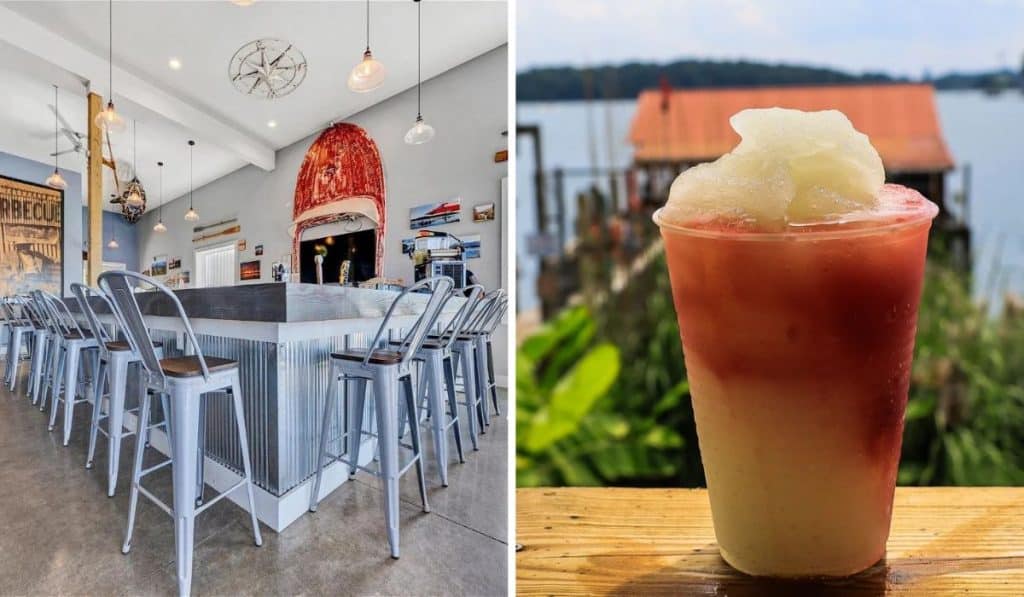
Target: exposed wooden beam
[(94, 175), (36, 39)]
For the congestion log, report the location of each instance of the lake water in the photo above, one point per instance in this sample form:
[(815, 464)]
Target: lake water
[(985, 131)]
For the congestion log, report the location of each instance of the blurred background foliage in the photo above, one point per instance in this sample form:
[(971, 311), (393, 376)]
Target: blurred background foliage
[(603, 397)]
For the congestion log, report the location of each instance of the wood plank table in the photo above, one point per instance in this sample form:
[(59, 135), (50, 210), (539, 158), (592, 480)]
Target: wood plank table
[(944, 541)]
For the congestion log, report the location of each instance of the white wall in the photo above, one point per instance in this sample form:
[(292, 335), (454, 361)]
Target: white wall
[(466, 105)]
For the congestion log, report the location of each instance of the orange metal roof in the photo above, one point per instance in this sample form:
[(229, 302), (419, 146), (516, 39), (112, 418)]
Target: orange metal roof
[(900, 120)]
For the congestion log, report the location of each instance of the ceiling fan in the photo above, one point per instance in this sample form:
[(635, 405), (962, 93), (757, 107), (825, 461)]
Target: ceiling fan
[(77, 146)]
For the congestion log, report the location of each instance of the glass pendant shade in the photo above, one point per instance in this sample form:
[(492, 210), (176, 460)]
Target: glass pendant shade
[(113, 244), (160, 227), (367, 75), (191, 215), (420, 132), (56, 181), (135, 194), (109, 120)]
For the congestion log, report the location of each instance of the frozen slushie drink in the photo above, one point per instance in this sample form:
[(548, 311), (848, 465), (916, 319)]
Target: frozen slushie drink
[(796, 274)]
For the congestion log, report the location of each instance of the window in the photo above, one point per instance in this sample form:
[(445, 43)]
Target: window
[(215, 266)]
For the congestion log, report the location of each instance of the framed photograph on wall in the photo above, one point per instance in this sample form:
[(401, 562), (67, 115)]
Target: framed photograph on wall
[(32, 230), (435, 214), (249, 270), (483, 212), (159, 265)]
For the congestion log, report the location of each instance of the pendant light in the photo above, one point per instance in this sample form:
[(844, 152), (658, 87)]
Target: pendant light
[(420, 132), (191, 215), (135, 195), (160, 222), (108, 119), (369, 73), (113, 237), (55, 180)]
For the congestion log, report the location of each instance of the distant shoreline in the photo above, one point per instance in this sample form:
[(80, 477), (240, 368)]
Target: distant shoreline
[(626, 81)]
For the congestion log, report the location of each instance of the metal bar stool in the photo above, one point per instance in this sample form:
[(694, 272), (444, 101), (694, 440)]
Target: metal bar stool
[(437, 381), (185, 379), (485, 352), (75, 344), (465, 348), (47, 381), (40, 344), (389, 368), (18, 327), (114, 358)]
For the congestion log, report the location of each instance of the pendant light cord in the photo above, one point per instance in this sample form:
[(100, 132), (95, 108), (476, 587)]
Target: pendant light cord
[(191, 144), (135, 153), (367, 25), (161, 215), (419, 57), (55, 129), (110, 49)]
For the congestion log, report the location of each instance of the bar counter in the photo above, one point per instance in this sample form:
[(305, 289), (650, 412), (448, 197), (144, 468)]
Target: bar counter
[(282, 335)]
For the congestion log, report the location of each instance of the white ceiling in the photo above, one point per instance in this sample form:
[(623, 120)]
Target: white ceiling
[(198, 101)]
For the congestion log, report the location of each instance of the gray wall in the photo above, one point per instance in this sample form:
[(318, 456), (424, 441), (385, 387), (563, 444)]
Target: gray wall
[(468, 106), (29, 170), (126, 234)]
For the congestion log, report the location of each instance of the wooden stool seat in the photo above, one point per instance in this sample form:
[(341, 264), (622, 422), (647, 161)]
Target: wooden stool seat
[(380, 357), (190, 367), (120, 345)]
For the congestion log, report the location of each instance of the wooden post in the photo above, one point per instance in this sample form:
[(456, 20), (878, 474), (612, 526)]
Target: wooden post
[(95, 191)]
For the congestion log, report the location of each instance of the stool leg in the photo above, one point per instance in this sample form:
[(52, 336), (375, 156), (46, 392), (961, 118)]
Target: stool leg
[(115, 420), (97, 404), (46, 382), (355, 432), (140, 447), (470, 386), (492, 385), (184, 444), (432, 374), (325, 423), (74, 353), (481, 378), (449, 372), (453, 405), (13, 356), (38, 356), (201, 453), (410, 405), (385, 399), (55, 386), (243, 442)]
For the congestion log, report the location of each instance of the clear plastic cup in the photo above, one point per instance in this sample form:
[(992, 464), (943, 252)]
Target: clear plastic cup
[(798, 348)]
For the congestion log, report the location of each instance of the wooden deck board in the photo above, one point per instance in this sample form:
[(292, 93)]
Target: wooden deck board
[(944, 541)]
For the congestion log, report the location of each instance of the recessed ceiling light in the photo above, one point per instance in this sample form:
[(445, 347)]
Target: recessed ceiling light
[(242, 2), (272, 123), (174, 63)]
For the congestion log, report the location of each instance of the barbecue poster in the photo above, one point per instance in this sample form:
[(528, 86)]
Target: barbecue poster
[(31, 237)]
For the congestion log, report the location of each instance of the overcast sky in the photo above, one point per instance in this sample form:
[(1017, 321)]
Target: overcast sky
[(902, 37)]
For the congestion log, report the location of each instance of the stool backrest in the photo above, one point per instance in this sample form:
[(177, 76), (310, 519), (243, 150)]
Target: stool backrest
[(15, 310), (120, 287), (451, 332), (41, 311), (499, 310), (481, 317), (31, 311), (99, 331), (62, 321), (440, 292)]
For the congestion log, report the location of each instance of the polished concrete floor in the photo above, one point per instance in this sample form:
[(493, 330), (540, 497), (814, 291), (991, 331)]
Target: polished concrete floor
[(61, 535)]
